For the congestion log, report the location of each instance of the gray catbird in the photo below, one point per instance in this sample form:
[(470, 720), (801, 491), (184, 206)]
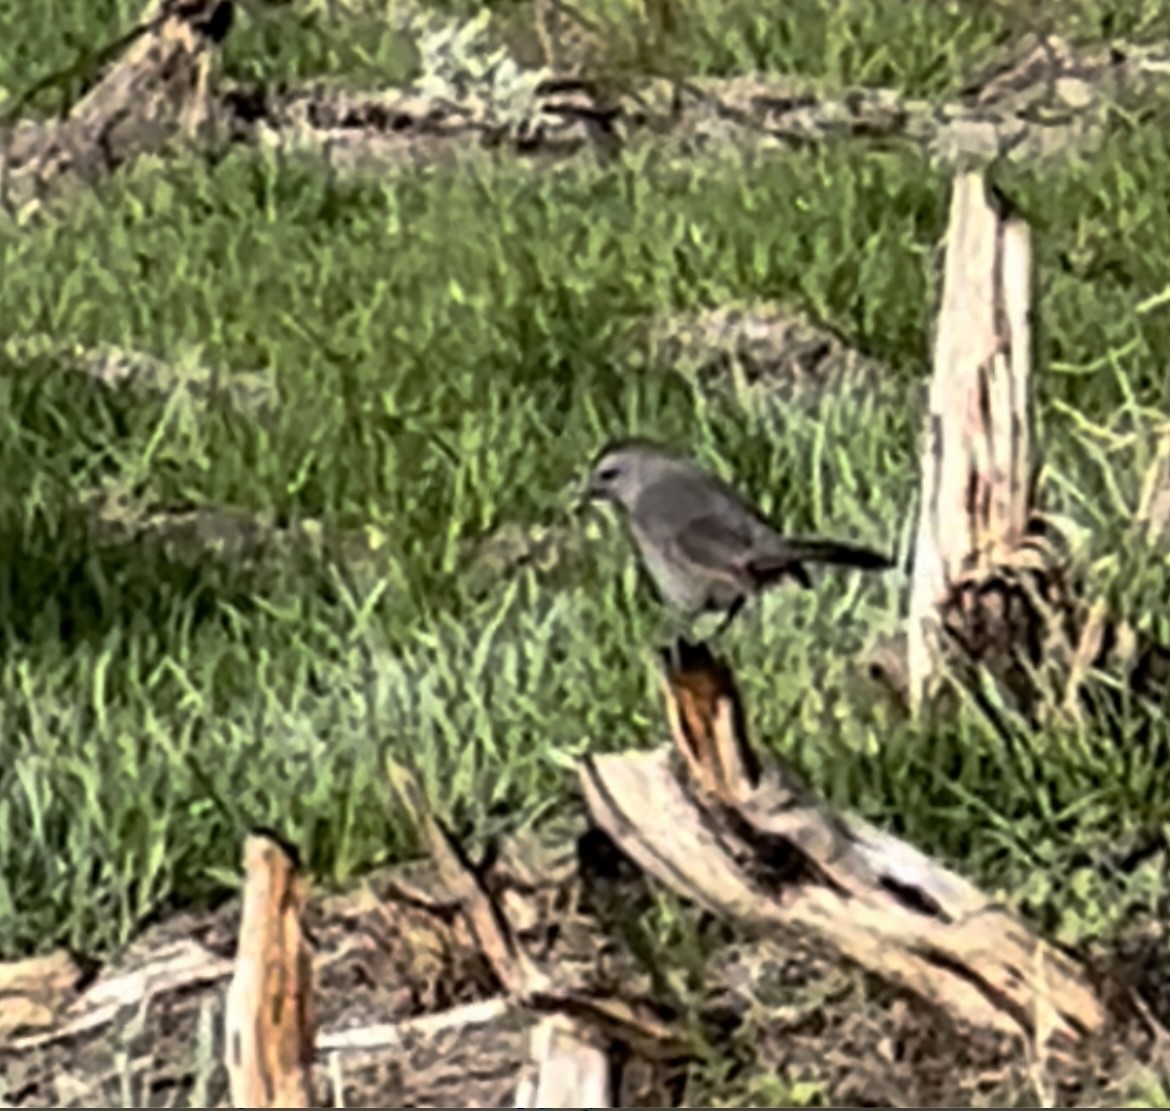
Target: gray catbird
[(705, 547)]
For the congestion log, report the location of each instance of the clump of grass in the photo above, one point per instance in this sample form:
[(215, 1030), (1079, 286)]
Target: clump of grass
[(357, 44), (59, 35)]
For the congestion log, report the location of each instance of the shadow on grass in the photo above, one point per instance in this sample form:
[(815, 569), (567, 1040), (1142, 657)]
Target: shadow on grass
[(61, 579)]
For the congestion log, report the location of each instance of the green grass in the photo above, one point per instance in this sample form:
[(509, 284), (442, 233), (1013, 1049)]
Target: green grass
[(922, 49), (61, 35), (450, 348)]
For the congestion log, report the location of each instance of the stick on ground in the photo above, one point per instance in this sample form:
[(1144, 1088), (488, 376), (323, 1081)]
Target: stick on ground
[(157, 90)]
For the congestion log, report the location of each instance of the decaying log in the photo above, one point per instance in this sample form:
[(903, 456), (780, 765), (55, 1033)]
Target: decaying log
[(747, 842), (156, 91), (269, 1021), (975, 455)]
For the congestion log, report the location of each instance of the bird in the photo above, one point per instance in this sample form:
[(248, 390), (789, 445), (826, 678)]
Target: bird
[(706, 548)]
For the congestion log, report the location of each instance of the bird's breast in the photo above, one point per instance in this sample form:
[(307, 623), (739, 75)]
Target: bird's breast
[(673, 579)]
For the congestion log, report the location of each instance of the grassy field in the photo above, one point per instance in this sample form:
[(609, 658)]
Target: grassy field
[(450, 347), (921, 49)]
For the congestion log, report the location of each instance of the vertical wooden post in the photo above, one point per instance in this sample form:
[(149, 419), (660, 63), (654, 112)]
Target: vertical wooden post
[(268, 1025), (975, 455)]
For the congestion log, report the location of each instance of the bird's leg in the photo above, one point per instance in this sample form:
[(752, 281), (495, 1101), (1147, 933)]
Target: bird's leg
[(732, 613)]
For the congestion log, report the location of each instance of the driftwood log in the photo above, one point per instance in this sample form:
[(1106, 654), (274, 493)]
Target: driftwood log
[(747, 842)]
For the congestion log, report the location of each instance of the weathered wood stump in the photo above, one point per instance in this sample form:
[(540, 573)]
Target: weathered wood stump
[(975, 453), (993, 590), (746, 841)]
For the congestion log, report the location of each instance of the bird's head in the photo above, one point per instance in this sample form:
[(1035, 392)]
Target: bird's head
[(621, 469)]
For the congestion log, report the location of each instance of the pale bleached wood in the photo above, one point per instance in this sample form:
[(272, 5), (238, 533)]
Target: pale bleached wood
[(565, 1067), (975, 456), (179, 965), (268, 1022), (393, 1035), (34, 991)]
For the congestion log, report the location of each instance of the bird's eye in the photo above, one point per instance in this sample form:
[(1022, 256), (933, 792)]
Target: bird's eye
[(608, 474)]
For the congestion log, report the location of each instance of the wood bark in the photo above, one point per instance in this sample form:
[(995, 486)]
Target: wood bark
[(749, 843), (269, 1020), (975, 455)]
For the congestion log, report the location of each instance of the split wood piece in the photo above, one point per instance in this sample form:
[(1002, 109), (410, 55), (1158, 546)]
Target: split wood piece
[(570, 1047), (179, 965), (750, 844), (156, 91), (269, 1021), (975, 456), (565, 1068), (35, 991)]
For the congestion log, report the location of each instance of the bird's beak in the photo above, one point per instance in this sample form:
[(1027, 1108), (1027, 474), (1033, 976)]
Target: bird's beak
[(585, 498), (590, 494)]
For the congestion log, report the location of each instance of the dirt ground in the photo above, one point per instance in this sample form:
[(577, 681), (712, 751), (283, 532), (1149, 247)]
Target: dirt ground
[(759, 1012)]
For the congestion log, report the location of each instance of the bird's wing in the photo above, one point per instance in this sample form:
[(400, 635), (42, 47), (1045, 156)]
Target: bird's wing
[(708, 539)]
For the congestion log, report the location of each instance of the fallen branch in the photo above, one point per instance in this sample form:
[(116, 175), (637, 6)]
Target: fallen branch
[(176, 966), (747, 842), (395, 1035), (1048, 100), (268, 1022)]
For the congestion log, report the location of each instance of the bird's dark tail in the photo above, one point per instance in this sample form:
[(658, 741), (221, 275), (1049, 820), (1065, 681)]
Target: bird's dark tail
[(787, 560)]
